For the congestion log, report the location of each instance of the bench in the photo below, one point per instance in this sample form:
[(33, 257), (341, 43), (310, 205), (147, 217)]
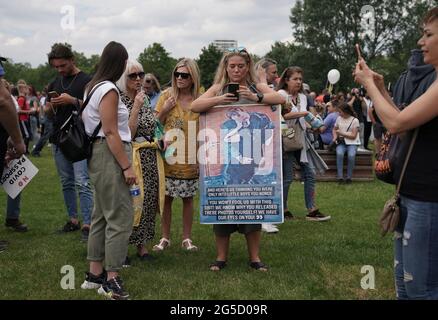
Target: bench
[(363, 168)]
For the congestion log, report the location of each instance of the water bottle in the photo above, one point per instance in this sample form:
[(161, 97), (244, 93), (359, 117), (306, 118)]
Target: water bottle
[(136, 199), (314, 122)]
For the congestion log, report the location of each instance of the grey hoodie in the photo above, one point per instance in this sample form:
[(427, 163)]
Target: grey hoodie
[(413, 82)]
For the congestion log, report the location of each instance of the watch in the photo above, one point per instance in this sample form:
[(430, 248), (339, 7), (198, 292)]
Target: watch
[(260, 97)]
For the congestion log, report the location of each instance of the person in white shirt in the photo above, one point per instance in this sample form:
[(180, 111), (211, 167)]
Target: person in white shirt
[(111, 175), (346, 136)]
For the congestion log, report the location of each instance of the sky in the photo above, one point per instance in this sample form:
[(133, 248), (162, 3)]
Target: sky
[(183, 27)]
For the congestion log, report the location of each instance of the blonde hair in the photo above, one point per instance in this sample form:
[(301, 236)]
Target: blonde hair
[(193, 68), (21, 85), (122, 82), (155, 83), (221, 76)]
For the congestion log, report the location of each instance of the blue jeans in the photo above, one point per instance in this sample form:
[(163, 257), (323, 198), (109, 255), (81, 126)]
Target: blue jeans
[(416, 250), (74, 176), (308, 174), (48, 128), (13, 207), (351, 154)]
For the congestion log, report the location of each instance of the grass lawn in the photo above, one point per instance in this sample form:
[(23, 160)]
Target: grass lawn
[(308, 260)]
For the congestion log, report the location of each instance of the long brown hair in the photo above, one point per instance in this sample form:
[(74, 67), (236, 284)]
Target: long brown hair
[(285, 76), (111, 65)]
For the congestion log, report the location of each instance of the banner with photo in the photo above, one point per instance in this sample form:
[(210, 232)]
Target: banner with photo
[(240, 165)]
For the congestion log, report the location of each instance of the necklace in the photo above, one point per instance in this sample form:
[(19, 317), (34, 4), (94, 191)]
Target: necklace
[(68, 87)]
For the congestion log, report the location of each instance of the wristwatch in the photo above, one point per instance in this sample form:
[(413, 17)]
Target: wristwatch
[(260, 97)]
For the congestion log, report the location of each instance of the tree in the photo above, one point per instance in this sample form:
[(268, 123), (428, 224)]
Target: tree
[(42, 75), (314, 64), (155, 59), (208, 62), (334, 29)]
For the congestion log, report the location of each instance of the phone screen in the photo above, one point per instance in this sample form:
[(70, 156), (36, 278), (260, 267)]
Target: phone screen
[(53, 94), (232, 88)]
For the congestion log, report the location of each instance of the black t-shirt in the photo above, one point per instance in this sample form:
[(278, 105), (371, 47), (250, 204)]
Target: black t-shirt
[(72, 85), (421, 177), (357, 107)]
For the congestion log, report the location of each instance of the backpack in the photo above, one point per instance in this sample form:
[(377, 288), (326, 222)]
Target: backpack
[(74, 142)]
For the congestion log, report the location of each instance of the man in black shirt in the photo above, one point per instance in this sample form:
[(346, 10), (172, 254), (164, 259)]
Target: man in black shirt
[(65, 96), (11, 142)]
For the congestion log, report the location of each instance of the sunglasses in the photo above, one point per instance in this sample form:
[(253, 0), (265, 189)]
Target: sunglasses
[(237, 50), (133, 76), (148, 81), (182, 74)]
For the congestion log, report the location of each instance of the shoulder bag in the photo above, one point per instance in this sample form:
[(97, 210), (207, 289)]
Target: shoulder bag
[(391, 211), (74, 142)]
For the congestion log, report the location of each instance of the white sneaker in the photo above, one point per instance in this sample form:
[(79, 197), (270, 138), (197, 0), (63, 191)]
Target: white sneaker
[(269, 228)]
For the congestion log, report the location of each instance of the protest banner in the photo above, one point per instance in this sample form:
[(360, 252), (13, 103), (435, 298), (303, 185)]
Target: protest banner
[(17, 176), (240, 165)]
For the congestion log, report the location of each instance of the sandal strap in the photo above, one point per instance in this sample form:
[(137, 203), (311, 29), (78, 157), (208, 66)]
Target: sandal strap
[(190, 245), (163, 241)]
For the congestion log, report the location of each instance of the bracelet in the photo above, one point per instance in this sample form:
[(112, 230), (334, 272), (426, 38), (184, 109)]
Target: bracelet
[(123, 170)]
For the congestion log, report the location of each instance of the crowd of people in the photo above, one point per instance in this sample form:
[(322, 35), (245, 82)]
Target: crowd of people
[(128, 108)]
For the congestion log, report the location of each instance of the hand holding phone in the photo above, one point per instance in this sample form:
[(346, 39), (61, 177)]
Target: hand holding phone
[(53, 94), (233, 88)]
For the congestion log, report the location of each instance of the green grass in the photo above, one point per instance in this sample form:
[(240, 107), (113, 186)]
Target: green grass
[(308, 260)]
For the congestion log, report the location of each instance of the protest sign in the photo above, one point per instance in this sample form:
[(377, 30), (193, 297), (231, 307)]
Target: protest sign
[(240, 165), (17, 176)]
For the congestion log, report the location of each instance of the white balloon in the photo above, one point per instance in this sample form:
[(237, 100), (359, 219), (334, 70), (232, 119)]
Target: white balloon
[(333, 76)]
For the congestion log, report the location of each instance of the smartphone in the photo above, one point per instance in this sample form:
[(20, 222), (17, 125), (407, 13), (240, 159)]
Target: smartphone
[(53, 94), (232, 88), (358, 52)]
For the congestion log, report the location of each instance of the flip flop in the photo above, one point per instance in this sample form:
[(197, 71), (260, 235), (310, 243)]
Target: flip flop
[(218, 265)]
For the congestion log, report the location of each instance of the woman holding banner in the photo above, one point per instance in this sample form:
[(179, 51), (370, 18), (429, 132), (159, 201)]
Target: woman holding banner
[(236, 66)]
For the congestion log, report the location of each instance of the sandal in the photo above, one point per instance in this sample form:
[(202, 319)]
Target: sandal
[(163, 244), (258, 265), (188, 245), (288, 215), (218, 265)]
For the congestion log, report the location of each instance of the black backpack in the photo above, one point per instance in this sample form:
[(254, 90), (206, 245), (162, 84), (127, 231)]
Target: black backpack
[(74, 142)]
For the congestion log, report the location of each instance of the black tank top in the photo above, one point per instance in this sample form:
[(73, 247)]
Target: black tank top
[(421, 177)]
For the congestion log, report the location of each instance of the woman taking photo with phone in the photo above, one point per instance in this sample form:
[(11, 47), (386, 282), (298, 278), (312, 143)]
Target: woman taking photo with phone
[(237, 67), (416, 237)]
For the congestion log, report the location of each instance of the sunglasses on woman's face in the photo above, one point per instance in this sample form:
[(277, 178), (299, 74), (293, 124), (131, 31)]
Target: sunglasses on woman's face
[(133, 76), (148, 81), (182, 74)]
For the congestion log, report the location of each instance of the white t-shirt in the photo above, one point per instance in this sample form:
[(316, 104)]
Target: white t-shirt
[(301, 108), (369, 104), (17, 107), (343, 125), (91, 115)]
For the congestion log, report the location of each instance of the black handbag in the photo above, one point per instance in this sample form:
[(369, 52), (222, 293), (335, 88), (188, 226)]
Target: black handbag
[(390, 216), (74, 142)]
